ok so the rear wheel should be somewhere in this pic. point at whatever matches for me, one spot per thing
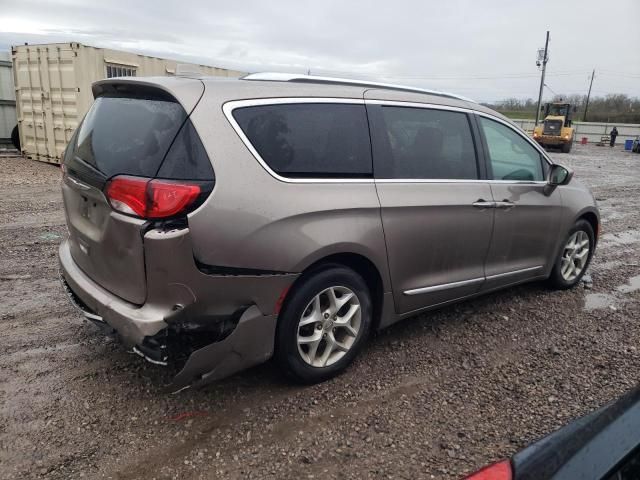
(574, 257)
(566, 147)
(325, 321)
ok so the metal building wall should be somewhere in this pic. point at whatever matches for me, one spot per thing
(7, 99)
(593, 131)
(53, 89)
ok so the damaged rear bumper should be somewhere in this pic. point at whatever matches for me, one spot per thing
(213, 325)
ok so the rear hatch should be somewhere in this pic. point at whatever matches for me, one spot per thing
(133, 135)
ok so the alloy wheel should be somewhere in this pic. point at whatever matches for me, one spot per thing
(329, 326)
(575, 255)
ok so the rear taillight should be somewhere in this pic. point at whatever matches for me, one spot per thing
(497, 471)
(152, 199)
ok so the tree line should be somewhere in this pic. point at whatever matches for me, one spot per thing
(612, 108)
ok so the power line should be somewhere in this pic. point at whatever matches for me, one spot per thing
(620, 74)
(550, 89)
(505, 76)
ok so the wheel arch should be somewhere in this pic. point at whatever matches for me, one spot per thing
(593, 219)
(363, 266)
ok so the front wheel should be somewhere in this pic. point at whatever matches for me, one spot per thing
(566, 147)
(574, 257)
(325, 321)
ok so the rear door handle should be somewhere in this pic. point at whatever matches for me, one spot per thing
(484, 204)
(505, 204)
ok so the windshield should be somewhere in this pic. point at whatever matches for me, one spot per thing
(558, 110)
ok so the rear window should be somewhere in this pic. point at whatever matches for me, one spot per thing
(128, 135)
(310, 140)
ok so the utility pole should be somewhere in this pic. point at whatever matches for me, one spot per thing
(586, 106)
(545, 59)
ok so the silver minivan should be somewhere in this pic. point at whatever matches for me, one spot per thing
(215, 223)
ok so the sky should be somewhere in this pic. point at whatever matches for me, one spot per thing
(483, 49)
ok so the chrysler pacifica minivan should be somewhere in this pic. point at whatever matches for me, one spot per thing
(215, 223)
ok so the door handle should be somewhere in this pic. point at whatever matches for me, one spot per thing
(505, 204)
(484, 204)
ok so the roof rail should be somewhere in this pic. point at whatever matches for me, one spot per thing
(293, 77)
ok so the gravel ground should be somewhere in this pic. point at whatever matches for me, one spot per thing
(434, 397)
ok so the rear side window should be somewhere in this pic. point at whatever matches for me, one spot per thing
(128, 135)
(187, 158)
(426, 144)
(313, 140)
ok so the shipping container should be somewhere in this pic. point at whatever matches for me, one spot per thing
(8, 119)
(53, 88)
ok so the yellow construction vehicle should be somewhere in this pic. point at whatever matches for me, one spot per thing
(556, 129)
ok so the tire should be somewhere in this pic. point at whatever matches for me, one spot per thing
(310, 303)
(15, 138)
(581, 230)
(566, 147)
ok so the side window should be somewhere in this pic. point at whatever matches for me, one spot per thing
(427, 144)
(511, 156)
(310, 139)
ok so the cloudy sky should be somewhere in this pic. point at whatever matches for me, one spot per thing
(484, 49)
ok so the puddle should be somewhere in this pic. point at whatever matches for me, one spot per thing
(604, 266)
(594, 301)
(632, 286)
(615, 215)
(39, 351)
(49, 236)
(622, 238)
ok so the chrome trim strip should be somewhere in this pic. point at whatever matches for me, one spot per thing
(293, 77)
(513, 127)
(515, 272)
(446, 286)
(229, 107)
(443, 286)
(430, 106)
(233, 104)
(447, 180)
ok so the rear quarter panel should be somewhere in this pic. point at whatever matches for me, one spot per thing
(253, 220)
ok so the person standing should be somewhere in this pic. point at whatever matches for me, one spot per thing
(613, 135)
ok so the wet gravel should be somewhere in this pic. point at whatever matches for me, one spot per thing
(434, 397)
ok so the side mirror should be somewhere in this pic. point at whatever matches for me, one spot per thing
(559, 175)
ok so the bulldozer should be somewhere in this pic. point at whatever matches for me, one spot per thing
(556, 130)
